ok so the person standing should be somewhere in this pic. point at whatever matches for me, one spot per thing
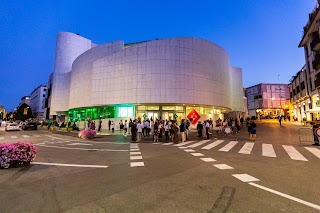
(130, 125)
(207, 126)
(140, 128)
(182, 131)
(100, 124)
(199, 129)
(125, 128)
(175, 132)
(166, 130)
(187, 125)
(133, 131)
(112, 126)
(249, 127)
(253, 133)
(280, 118)
(155, 131)
(109, 124)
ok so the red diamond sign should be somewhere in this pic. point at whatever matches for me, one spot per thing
(194, 116)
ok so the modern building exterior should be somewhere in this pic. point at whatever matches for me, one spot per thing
(268, 100)
(25, 100)
(306, 105)
(163, 78)
(37, 101)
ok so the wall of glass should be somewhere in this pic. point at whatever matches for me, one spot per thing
(94, 113)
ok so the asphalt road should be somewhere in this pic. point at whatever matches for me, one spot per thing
(108, 174)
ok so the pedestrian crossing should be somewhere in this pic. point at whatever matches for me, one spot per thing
(10, 137)
(246, 148)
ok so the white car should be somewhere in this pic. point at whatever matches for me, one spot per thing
(12, 127)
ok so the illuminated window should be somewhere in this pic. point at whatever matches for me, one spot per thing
(124, 112)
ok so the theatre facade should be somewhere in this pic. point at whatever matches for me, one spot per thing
(171, 78)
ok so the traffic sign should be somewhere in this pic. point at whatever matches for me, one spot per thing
(317, 132)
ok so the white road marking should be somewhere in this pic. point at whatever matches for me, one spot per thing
(312, 205)
(247, 148)
(156, 143)
(84, 149)
(184, 143)
(1, 138)
(268, 151)
(135, 164)
(73, 144)
(293, 153)
(314, 151)
(245, 177)
(199, 143)
(134, 150)
(13, 137)
(197, 154)
(211, 145)
(72, 165)
(183, 147)
(222, 166)
(135, 157)
(229, 146)
(25, 136)
(208, 159)
(189, 150)
(166, 144)
(37, 136)
(135, 153)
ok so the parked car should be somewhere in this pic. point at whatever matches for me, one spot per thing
(12, 127)
(30, 125)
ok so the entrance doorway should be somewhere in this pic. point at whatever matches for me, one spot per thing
(167, 115)
(154, 115)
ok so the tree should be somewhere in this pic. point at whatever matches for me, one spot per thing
(23, 113)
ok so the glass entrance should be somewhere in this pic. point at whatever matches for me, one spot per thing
(154, 115)
(167, 115)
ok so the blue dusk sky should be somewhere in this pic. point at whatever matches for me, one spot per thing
(261, 36)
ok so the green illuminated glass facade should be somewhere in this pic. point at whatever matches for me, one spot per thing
(118, 111)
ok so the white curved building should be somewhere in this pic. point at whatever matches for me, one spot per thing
(159, 78)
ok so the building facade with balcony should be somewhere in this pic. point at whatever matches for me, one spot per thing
(37, 101)
(162, 78)
(306, 103)
(268, 100)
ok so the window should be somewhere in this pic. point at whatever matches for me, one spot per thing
(294, 92)
(290, 94)
(44, 95)
(44, 90)
(298, 89)
(124, 112)
(302, 85)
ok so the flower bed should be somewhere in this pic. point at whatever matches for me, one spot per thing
(16, 154)
(87, 134)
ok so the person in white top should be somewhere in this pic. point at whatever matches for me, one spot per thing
(125, 128)
(112, 126)
(140, 128)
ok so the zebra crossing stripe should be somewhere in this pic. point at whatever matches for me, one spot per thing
(199, 143)
(293, 153)
(229, 146)
(184, 143)
(314, 151)
(1, 138)
(166, 144)
(13, 137)
(25, 136)
(268, 151)
(247, 148)
(211, 145)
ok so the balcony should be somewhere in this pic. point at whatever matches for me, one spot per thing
(315, 43)
(316, 62)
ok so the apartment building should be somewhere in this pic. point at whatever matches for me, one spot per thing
(305, 85)
(268, 100)
(37, 101)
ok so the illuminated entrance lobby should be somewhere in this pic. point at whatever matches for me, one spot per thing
(165, 78)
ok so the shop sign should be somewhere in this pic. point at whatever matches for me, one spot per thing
(318, 103)
(194, 116)
(175, 116)
(144, 116)
(317, 132)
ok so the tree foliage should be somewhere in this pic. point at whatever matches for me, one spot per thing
(19, 114)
